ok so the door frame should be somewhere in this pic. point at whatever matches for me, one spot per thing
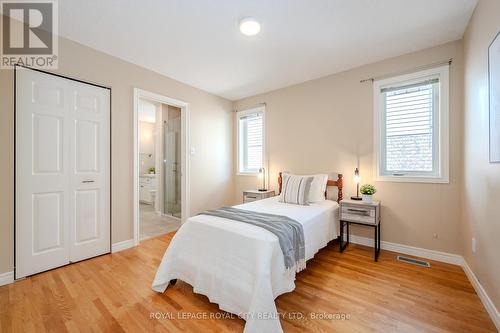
(110, 151)
(185, 144)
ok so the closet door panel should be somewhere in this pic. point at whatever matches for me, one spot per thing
(86, 146)
(87, 215)
(48, 218)
(47, 144)
(90, 231)
(42, 172)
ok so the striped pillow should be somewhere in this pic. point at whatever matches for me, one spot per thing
(295, 189)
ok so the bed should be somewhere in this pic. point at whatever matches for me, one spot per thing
(240, 266)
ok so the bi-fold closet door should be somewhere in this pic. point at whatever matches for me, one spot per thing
(62, 183)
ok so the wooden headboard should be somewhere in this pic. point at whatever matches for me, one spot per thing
(330, 182)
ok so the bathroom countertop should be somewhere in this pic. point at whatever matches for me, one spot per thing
(148, 175)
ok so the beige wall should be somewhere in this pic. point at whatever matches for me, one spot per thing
(324, 125)
(211, 117)
(147, 153)
(481, 196)
(146, 137)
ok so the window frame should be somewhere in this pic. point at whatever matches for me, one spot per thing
(440, 140)
(239, 115)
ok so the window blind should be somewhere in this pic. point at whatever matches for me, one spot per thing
(251, 142)
(409, 126)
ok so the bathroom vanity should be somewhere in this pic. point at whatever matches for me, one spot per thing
(147, 188)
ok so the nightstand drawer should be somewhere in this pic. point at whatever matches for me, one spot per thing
(251, 197)
(254, 195)
(358, 213)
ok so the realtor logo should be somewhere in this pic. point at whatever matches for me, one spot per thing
(29, 34)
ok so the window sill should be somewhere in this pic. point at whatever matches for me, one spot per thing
(247, 173)
(414, 179)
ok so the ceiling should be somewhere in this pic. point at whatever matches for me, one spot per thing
(198, 42)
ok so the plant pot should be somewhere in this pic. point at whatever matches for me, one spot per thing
(367, 198)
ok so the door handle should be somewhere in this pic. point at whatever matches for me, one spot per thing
(87, 181)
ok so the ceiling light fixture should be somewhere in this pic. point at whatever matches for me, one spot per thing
(249, 26)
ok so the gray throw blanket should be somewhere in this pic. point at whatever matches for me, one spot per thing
(289, 232)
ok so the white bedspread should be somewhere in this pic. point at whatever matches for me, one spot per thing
(240, 266)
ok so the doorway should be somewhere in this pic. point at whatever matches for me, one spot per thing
(160, 164)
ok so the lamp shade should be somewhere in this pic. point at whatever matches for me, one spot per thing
(356, 180)
(262, 173)
(356, 176)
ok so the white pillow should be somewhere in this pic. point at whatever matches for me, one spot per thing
(296, 189)
(318, 188)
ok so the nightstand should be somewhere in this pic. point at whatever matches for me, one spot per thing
(358, 212)
(254, 195)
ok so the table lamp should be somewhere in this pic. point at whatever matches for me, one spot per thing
(356, 180)
(262, 171)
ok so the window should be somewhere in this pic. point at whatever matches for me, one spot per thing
(250, 140)
(411, 127)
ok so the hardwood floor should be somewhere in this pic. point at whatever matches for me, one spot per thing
(112, 293)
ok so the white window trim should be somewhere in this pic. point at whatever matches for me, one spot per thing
(240, 114)
(443, 174)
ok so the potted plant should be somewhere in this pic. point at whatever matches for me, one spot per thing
(152, 170)
(367, 192)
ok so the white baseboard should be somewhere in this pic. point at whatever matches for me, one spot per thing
(6, 278)
(485, 299)
(449, 258)
(120, 246)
